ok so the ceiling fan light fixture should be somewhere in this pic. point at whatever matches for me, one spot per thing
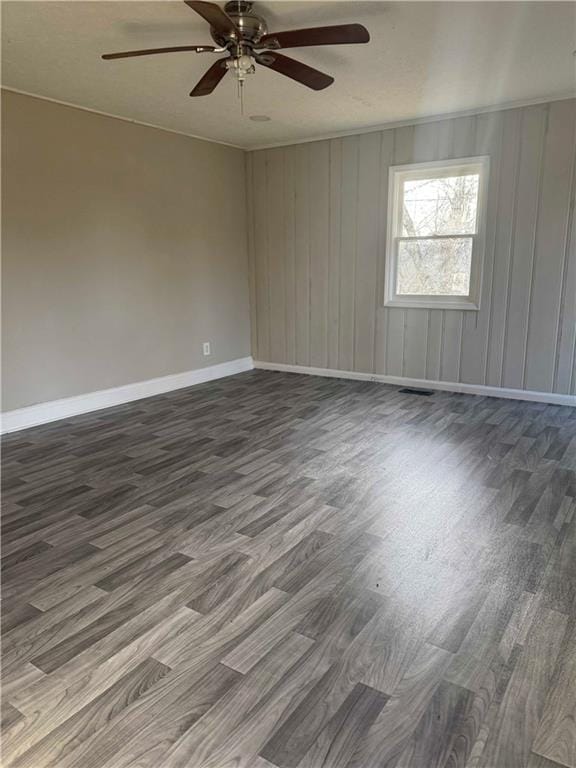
(242, 66)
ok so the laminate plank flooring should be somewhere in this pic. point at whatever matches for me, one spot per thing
(284, 571)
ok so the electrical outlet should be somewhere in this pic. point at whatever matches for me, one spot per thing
(206, 348)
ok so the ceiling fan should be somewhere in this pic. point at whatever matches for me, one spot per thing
(243, 35)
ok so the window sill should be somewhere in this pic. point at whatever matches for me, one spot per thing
(425, 303)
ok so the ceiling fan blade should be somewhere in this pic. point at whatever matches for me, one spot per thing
(210, 79)
(214, 15)
(297, 38)
(302, 73)
(151, 51)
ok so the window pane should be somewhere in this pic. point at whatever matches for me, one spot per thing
(434, 267)
(441, 206)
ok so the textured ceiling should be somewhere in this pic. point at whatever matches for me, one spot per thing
(423, 59)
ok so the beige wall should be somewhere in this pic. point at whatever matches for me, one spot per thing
(317, 233)
(123, 248)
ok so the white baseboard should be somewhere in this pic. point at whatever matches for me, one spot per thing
(43, 413)
(447, 386)
(33, 415)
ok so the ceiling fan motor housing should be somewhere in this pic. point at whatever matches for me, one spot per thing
(250, 25)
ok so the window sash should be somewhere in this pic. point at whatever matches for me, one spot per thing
(431, 176)
(431, 297)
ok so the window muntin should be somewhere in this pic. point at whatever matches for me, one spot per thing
(435, 234)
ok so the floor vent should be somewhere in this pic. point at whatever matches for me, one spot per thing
(421, 392)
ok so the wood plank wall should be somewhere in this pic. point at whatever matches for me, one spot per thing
(317, 238)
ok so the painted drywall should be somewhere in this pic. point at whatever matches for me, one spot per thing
(123, 249)
(317, 233)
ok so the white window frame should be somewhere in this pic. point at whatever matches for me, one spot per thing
(398, 174)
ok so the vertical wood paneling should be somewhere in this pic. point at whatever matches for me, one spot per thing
(289, 234)
(476, 328)
(318, 238)
(348, 229)
(415, 343)
(249, 160)
(450, 356)
(522, 256)
(551, 233)
(380, 336)
(366, 250)
(319, 252)
(302, 250)
(261, 256)
(335, 232)
(507, 189)
(276, 254)
(567, 327)
(434, 344)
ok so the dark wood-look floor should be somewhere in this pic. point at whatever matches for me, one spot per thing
(280, 570)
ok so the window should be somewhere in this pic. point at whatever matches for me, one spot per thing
(436, 223)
